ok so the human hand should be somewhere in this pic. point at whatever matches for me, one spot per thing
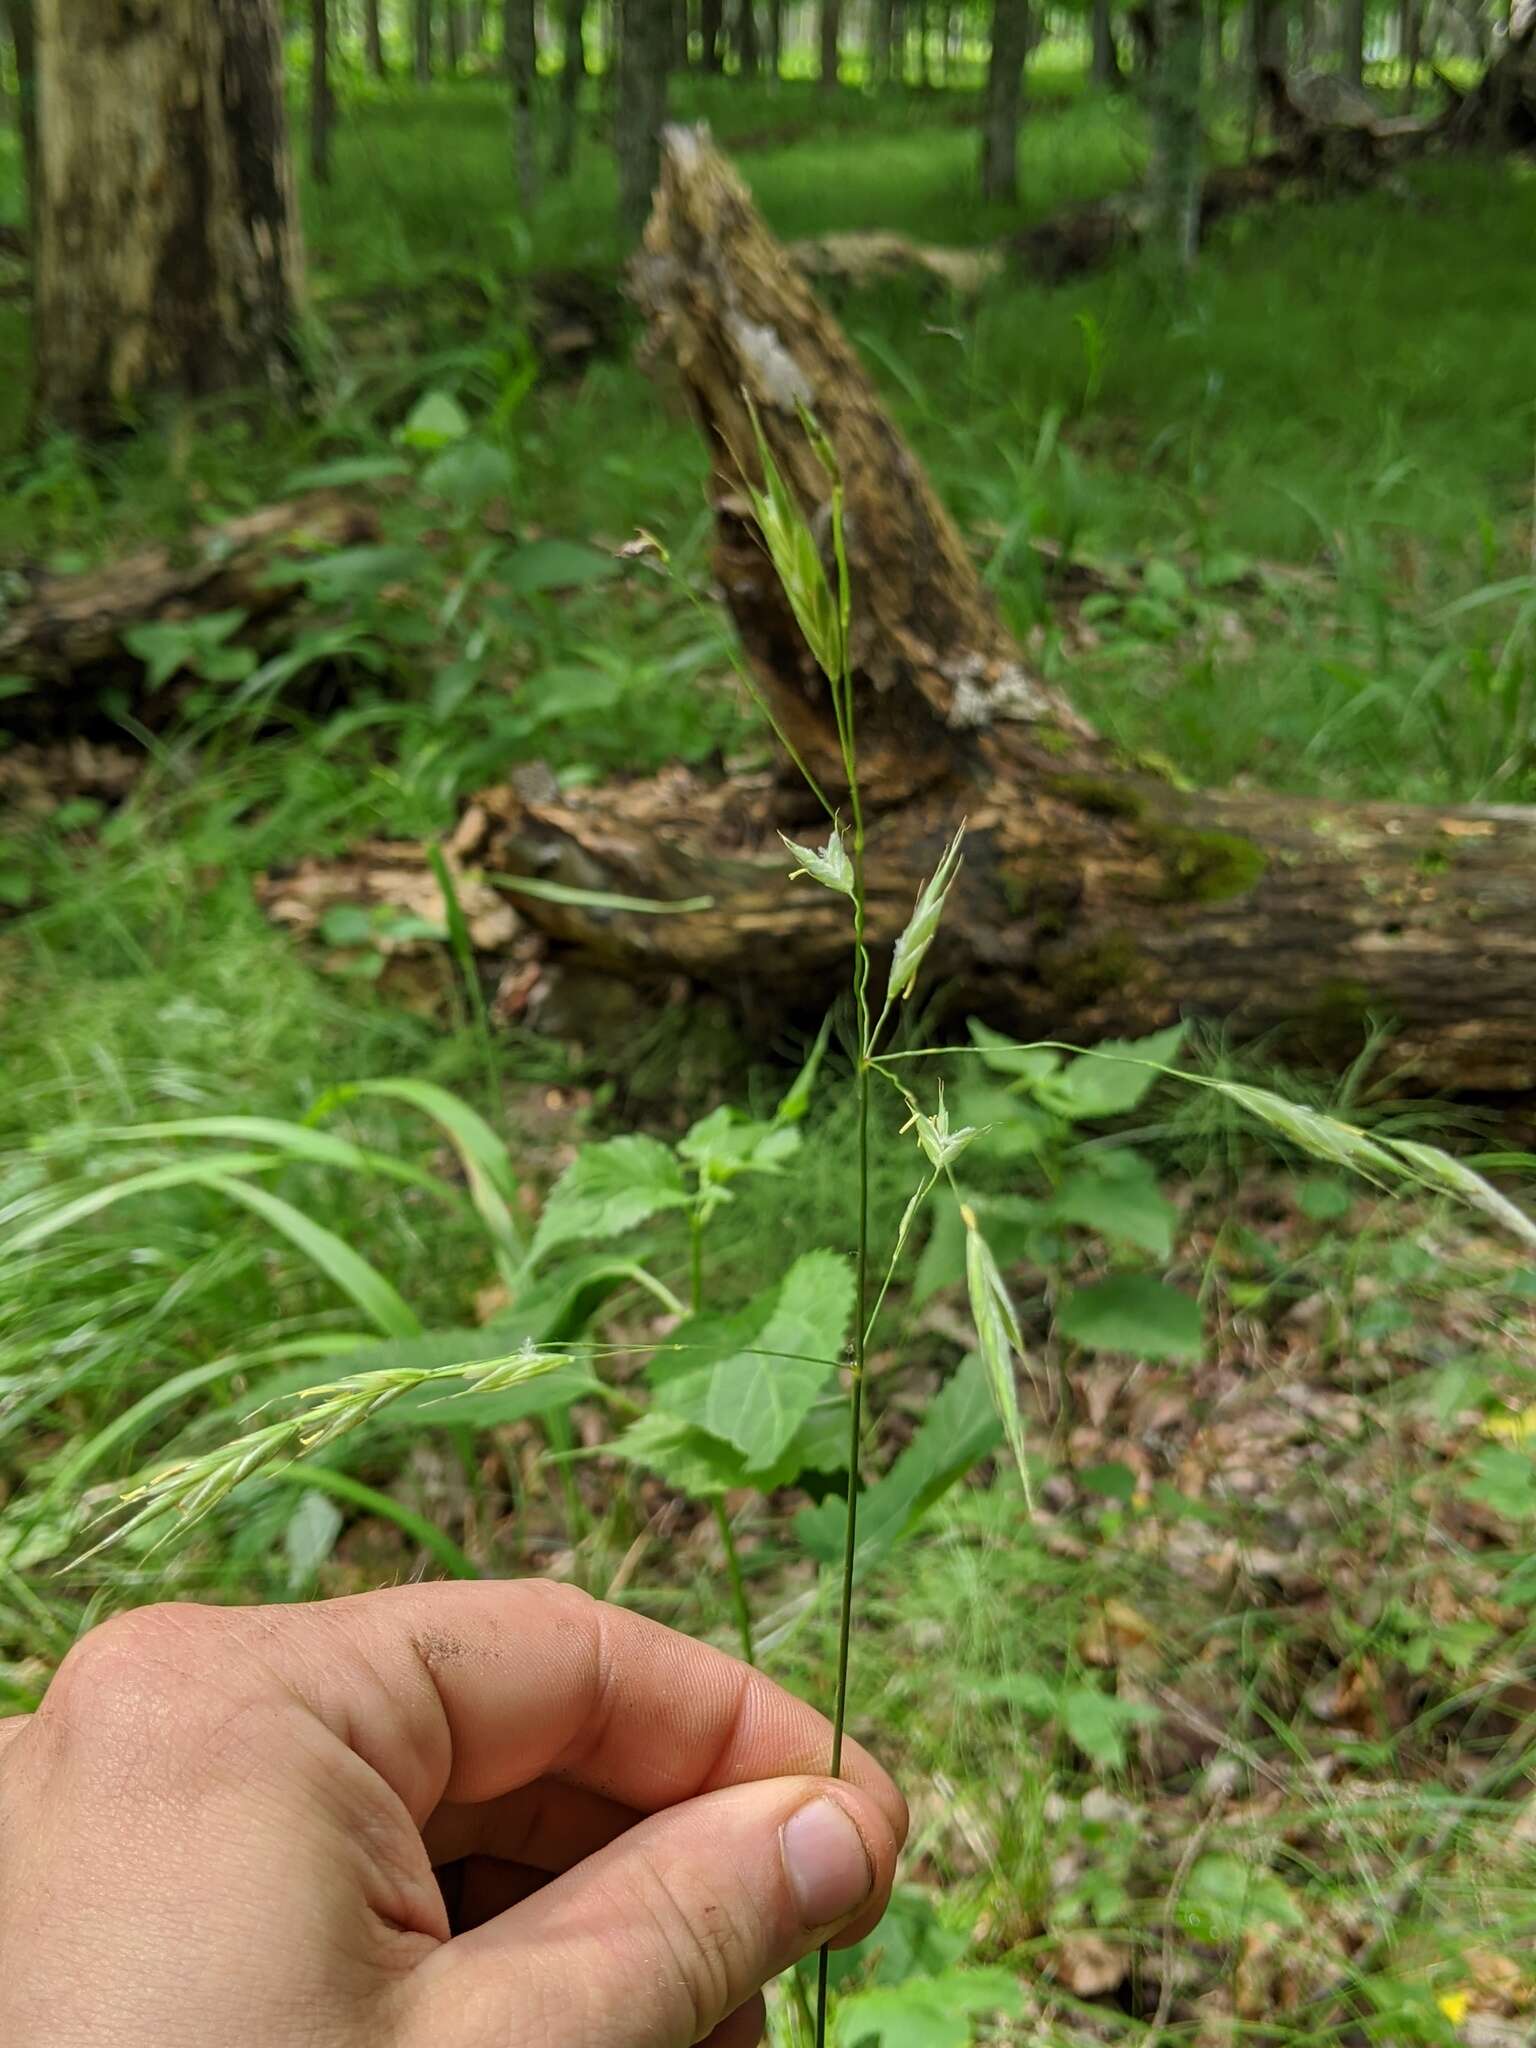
(496, 1815)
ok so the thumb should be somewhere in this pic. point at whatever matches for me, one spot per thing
(657, 1938)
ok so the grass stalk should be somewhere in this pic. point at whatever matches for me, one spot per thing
(739, 1603)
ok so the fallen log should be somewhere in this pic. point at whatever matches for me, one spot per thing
(63, 629)
(1094, 900)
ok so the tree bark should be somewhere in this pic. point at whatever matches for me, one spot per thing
(775, 39)
(421, 40)
(1176, 137)
(1352, 41)
(1093, 900)
(521, 56)
(640, 104)
(167, 256)
(712, 36)
(1410, 22)
(1000, 117)
(453, 37)
(1106, 60)
(748, 46)
(573, 69)
(20, 16)
(829, 31)
(882, 22)
(373, 38)
(320, 105)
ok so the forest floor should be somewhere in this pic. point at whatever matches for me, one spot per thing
(1234, 1738)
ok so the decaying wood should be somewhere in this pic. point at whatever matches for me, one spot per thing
(69, 627)
(1093, 900)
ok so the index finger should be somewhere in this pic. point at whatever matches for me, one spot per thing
(466, 1691)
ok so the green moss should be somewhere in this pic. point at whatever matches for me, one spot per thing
(1081, 974)
(1208, 867)
(1100, 795)
(1435, 859)
(1342, 1001)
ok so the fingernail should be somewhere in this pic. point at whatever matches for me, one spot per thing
(826, 1863)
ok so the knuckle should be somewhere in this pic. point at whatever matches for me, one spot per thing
(130, 1677)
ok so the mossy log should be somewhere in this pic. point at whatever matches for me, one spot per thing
(66, 631)
(1094, 900)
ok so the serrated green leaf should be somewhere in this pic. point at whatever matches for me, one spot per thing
(755, 1395)
(1028, 1063)
(922, 925)
(608, 1189)
(1127, 1207)
(686, 1458)
(436, 420)
(1227, 1896)
(1133, 1313)
(1113, 1078)
(725, 1143)
(1099, 1722)
(830, 866)
(928, 2012)
(959, 1428)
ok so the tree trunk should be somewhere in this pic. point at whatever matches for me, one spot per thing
(640, 104)
(1000, 118)
(924, 45)
(1352, 41)
(520, 51)
(573, 69)
(775, 39)
(320, 105)
(1266, 54)
(1093, 900)
(167, 256)
(1106, 60)
(453, 37)
(474, 27)
(829, 29)
(712, 35)
(1410, 21)
(421, 39)
(1176, 140)
(20, 14)
(748, 48)
(373, 38)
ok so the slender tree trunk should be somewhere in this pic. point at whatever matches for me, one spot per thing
(1352, 41)
(775, 38)
(21, 16)
(748, 48)
(829, 36)
(421, 28)
(881, 25)
(1176, 141)
(924, 42)
(573, 69)
(520, 53)
(1306, 32)
(373, 37)
(1410, 25)
(947, 38)
(712, 35)
(168, 256)
(474, 28)
(1106, 61)
(320, 105)
(640, 104)
(1000, 119)
(1266, 52)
